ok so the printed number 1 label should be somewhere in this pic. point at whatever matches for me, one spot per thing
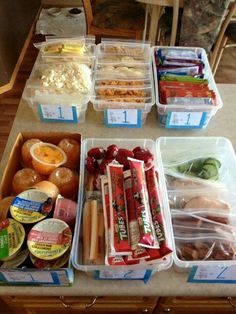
(122, 118)
(185, 119)
(58, 113)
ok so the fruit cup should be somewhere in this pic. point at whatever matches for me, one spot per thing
(46, 157)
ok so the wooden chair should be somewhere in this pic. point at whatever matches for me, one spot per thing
(226, 32)
(108, 28)
(157, 7)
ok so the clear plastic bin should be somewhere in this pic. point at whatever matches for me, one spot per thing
(137, 270)
(122, 47)
(55, 108)
(187, 115)
(123, 90)
(206, 210)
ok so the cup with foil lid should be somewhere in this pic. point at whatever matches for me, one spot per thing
(31, 206)
(17, 260)
(55, 263)
(49, 239)
(12, 235)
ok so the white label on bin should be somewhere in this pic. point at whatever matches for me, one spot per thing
(185, 119)
(45, 277)
(58, 113)
(129, 118)
(118, 274)
(213, 274)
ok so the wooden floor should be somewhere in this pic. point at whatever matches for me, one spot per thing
(9, 101)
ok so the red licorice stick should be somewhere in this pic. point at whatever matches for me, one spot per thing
(118, 214)
(109, 260)
(157, 217)
(141, 203)
(138, 252)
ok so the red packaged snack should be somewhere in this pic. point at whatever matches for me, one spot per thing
(112, 151)
(141, 203)
(120, 244)
(104, 163)
(109, 260)
(138, 252)
(96, 152)
(92, 165)
(145, 155)
(122, 156)
(155, 207)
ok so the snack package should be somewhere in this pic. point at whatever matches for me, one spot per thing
(120, 244)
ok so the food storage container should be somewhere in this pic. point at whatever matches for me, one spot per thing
(123, 91)
(141, 271)
(186, 115)
(197, 178)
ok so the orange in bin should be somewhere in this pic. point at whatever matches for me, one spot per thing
(47, 157)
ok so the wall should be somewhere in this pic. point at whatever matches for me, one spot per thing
(16, 19)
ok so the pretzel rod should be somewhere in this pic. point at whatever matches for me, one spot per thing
(86, 231)
(94, 231)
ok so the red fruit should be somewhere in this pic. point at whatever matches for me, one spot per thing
(103, 165)
(96, 152)
(92, 165)
(122, 156)
(112, 151)
(145, 155)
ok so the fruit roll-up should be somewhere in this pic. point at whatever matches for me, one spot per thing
(138, 252)
(120, 243)
(157, 216)
(109, 260)
(141, 203)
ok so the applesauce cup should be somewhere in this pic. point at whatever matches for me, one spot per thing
(46, 157)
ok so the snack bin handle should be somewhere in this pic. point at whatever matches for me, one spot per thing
(88, 306)
(231, 302)
(63, 302)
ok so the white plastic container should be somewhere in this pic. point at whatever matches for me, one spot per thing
(177, 149)
(117, 271)
(187, 115)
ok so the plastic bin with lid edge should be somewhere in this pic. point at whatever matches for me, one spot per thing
(183, 146)
(77, 111)
(203, 113)
(77, 245)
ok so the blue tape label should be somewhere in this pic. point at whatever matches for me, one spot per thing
(186, 120)
(129, 118)
(58, 113)
(213, 274)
